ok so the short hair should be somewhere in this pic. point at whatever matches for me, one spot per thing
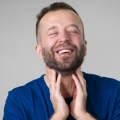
(52, 7)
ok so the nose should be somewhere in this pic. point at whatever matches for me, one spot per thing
(64, 36)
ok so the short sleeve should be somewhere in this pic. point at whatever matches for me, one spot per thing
(12, 110)
(116, 110)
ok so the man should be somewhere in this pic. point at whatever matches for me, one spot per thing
(64, 92)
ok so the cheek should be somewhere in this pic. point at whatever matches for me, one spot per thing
(78, 41)
(49, 43)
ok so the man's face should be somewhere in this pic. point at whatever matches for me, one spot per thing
(62, 44)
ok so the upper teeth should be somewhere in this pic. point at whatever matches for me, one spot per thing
(63, 51)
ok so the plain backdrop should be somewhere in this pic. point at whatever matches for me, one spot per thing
(19, 62)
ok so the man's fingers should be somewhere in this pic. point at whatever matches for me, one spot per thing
(53, 78)
(80, 83)
(81, 79)
(77, 82)
(58, 82)
(55, 84)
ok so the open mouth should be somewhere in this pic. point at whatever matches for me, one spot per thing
(64, 51)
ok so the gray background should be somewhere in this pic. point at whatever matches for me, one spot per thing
(19, 63)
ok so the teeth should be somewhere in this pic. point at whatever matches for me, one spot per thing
(64, 51)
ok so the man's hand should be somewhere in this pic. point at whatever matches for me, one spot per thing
(78, 104)
(61, 110)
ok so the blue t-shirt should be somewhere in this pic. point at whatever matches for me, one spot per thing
(32, 101)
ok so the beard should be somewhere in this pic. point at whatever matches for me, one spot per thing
(67, 65)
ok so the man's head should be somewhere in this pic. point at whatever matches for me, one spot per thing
(53, 7)
(60, 37)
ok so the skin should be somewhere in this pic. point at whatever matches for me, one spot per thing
(57, 27)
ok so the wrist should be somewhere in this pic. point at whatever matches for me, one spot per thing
(58, 116)
(86, 116)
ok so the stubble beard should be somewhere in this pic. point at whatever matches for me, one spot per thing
(65, 66)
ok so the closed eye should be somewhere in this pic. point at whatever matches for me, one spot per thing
(73, 32)
(52, 33)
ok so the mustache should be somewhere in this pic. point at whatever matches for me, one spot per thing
(64, 45)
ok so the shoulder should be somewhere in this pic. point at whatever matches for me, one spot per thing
(26, 94)
(101, 83)
(25, 99)
(28, 88)
(100, 79)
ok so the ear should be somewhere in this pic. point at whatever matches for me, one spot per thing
(38, 49)
(85, 47)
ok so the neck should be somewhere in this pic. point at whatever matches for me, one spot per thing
(67, 84)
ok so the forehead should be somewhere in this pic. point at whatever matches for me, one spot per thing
(60, 17)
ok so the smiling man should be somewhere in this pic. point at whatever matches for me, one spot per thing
(64, 92)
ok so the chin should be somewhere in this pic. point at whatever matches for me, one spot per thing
(66, 73)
